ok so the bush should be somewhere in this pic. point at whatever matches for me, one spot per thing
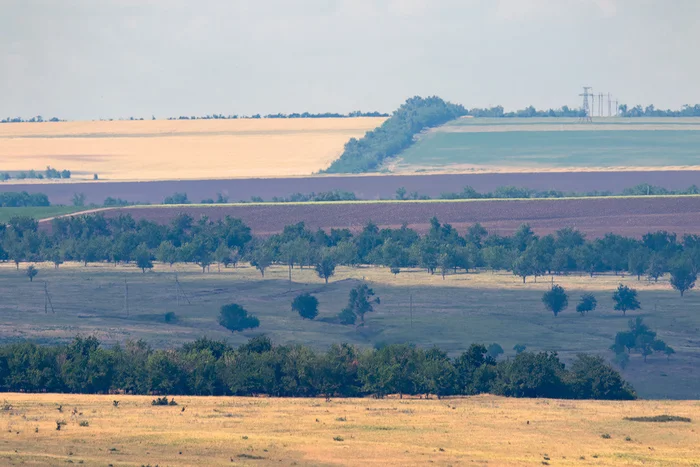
(170, 317)
(163, 401)
(659, 419)
(177, 198)
(235, 318)
(306, 305)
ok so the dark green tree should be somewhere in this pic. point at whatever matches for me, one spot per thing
(31, 273)
(683, 276)
(325, 268)
(306, 305)
(360, 302)
(586, 304)
(555, 299)
(625, 299)
(235, 318)
(143, 257)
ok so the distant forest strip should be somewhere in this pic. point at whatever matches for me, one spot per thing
(96, 239)
(207, 367)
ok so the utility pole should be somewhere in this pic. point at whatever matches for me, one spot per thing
(126, 297)
(609, 106)
(47, 299)
(410, 307)
(179, 290)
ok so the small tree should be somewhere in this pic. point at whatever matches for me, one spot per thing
(78, 199)
(519, 348)
(222, 254)
(143, 257)
(683, 277)
(306, 305)
(555, 300)
(31, 273)
(261, 259)
(625, 299)
(401, 193)
(235, 318)
(325, 268)
(359, 303)
(587, 303)
(494, 350)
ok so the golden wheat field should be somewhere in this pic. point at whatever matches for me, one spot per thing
(180, 149)
(217, 431)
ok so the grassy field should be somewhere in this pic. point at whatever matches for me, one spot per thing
(452, 314)
(37, 212)
(180, 149)
(482, 431)
(546, 144)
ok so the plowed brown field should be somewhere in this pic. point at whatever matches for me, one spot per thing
(593, 216)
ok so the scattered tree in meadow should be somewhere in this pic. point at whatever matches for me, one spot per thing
(555, 299)
(261, 259)
(306, 305)
(683, 277)
(625, 299)
(235, 318)
(639, 338)
(31, 273)
(587, 303)
(325, 268)
(519, 348)
(360, 302)
(143, 257)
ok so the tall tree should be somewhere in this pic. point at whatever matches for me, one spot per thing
(625, 299)
(555, 299)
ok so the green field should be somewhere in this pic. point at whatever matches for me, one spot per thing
(37, 212)
(514, 144)
(450, 313)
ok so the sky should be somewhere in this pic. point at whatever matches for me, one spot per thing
(87, 59)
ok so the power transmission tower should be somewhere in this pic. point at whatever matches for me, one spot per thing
(47, 299)
(586, 117)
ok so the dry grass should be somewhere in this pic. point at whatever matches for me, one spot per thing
(481, 430)
(181, 149)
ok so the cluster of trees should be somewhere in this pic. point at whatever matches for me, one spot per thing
(651, 111)
(511, 192)
(639, 338)
(323, 196)
(207, 367)
(556, 300)
(10, 199)
(528, 112)
(49, 173)
(94, 238)
(357, 113)
(37, 119)
(395, 134)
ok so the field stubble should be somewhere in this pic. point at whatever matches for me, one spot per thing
(482, 430)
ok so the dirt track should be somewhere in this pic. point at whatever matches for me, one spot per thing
(365, 187)
(595, 217)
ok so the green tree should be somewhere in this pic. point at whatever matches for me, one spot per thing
(235, 318)
(143, 257)
(222, 254)
(638, 262)
(625, 299)
(325, 268)
(261, 258)
(401, 193)
(167, 253)
(555, 299)
(683, 277)
(31, 273)
(587, 303)
(494, 350)
(519, 348)
(360, 302)
(306, 305)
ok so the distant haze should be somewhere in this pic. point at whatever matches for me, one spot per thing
(82, 59)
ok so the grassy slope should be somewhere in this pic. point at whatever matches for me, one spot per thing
(37, 212)
(250, 431)
(453, 313)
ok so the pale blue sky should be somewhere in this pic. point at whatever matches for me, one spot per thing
(85, 59)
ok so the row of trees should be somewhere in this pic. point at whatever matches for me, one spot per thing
(207, 367)
(94, 238)
(395, 134)
(651, 111)
(10, 199)
(49, 173)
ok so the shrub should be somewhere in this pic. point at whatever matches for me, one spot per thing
(170, 317)
(163, 401)
(306, 305)
(84, 423)
(659, 419)
(235, 318)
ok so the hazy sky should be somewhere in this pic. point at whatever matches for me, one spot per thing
(85, 59)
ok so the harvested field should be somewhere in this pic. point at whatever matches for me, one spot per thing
(632, 216)
(180, 149)
(218, 431)
(365, 187)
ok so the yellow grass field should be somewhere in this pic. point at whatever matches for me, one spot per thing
(180, 149)
(218, 431)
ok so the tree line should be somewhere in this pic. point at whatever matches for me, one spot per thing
(443, 250)
(208, 367)
(651, 111)
(395, 134)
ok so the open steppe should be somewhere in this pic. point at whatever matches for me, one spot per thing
(218, 431)
(179, 149)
